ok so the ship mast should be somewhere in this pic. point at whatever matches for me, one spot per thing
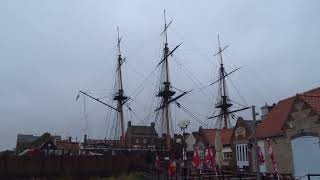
(224, 102)
(165, 91)
(119, 95)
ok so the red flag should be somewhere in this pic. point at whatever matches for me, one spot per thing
(260, 155)
(157, 161)
(172, 168)
(273, 159)
(210, 159)
(196, 158)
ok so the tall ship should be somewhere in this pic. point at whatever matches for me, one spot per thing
(161, 131)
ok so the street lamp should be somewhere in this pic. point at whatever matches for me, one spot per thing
(184, 125)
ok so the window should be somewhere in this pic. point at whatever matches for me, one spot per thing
(137, 141)
(202, 154)
(145, 141)
(242, 152)
(227, 155)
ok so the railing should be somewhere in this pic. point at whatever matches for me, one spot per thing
(150, 172)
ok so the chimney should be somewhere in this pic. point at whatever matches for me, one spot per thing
(85, 139)
(265, 110)
(69, 139)
(129, 123)
(152, 124)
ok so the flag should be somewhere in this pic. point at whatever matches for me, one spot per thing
(210, 159)
(273, 159)
(196, 158)
(172, 168)
(260, 155)
(157, 161)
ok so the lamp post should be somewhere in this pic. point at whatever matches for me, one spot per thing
(184, 125)
(255, 144)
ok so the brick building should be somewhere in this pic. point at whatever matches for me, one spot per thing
(141, 137)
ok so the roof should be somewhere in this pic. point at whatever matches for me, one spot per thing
(67, 145)
(26, 138)
(210, 134)
(272, 125)
(102, 141)
(312, 98)
(247, 124)
(142, 130)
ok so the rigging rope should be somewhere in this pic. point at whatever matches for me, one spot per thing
(190, 114)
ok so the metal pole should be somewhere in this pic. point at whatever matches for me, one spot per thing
(184, 152)
(255, 144)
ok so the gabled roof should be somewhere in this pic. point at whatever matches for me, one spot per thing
(247, 124)
(272, 125)
(209, 135)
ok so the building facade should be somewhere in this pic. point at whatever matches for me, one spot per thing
(141, 137)
(293, 127)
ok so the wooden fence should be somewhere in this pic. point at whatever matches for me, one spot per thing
(83, 167)
(71, 166)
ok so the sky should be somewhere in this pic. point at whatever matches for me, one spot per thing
(49, 50)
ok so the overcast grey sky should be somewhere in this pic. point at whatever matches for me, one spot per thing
(51, 49)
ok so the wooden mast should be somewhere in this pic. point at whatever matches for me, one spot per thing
(224, 103)
(166, 93)
(119, 95)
